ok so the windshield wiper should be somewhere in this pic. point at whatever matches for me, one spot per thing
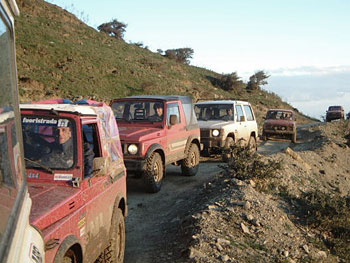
(48, 169)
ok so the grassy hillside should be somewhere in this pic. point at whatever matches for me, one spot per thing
(60, 56)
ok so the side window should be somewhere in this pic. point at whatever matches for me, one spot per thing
(248, 112)
(239, 112)
(91, 147)
(173, 109)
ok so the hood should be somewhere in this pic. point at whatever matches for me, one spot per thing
(280, 122)
(215, 124)
(52, 203)
(136, 134)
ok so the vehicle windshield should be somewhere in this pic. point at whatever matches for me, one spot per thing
(335, 108)
(206, 112)
(279, 115)
(48, 142)
(138, 111)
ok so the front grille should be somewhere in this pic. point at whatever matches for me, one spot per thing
(205, 133)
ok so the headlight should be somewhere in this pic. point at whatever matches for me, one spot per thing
(132, 149)
(215, 133)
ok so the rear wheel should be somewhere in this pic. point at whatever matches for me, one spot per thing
(116, 247)
(154, 173)
(190, 165)
(264, 137)
(229, 142)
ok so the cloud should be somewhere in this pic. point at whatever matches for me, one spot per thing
(309, 70)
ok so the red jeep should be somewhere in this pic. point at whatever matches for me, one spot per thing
(76, 179)
(156, 131)
(280, 123)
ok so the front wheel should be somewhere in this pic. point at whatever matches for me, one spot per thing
(294, 137)
(154, 173)
(252, 147)
(190, 165)
(116, 247)
(227, 154)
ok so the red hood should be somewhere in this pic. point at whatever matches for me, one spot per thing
(137, 134)
(52, 203)
(280, 122)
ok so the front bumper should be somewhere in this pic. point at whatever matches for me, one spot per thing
(278, 132)
(134, 165)
(213, 143)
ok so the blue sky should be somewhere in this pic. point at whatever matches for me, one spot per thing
(299, 42)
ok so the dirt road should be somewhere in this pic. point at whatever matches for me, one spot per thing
(154, 218)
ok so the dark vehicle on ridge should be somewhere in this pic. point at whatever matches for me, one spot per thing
(156, 131)
(335, 113)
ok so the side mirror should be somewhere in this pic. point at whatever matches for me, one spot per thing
(242, 118)
(101, 166)
(173, 120)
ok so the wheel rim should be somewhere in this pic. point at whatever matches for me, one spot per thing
(193, 159)
(157, 171)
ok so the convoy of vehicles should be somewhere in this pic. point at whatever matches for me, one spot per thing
(19, 240)
(280, 123)
(76, 178)
(335, 113)
(156, 131)
(224, 123)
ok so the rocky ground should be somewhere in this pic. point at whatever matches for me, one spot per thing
(270, 219)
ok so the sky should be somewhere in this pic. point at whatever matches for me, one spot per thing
(302, 44)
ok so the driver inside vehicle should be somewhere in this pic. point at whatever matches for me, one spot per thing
(158, 112)
(229, 115)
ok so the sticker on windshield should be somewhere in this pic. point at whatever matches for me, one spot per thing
(63, 123)
(26, 120)
(63, 177)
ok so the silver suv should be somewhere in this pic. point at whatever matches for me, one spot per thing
(224, 123)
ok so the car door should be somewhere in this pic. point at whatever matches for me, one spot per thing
(176, 134)
(241, 131)
(251, 122)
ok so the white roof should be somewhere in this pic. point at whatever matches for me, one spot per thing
(222, 102)
(82, 109)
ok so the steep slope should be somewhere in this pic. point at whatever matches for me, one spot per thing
(60, 56)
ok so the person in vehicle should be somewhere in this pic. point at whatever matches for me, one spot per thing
(229, 116)
(62, 155)
(158, 115)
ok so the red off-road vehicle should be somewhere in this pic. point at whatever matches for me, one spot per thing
(156, 131)
(76, 179)
(280, 123)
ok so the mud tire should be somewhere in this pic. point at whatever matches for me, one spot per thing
(154, 173)
(190, 165)
(114, 252)
(263, 136)
(294, 137)
(252, 146)
(228, 143)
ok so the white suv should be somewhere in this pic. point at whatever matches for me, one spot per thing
(224, 123)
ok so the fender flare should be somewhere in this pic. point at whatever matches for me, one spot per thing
(155, 147)
(67, 243)
(192, 138)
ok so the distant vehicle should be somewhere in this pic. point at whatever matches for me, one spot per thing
(156, 131)
(224, 123)
(280, 123)
(77, 179)
(348, 116)
(335, 113)
(19, 240)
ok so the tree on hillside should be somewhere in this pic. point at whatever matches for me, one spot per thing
(231, 81)
(182, 55)
(114, 28)
(257, 80)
